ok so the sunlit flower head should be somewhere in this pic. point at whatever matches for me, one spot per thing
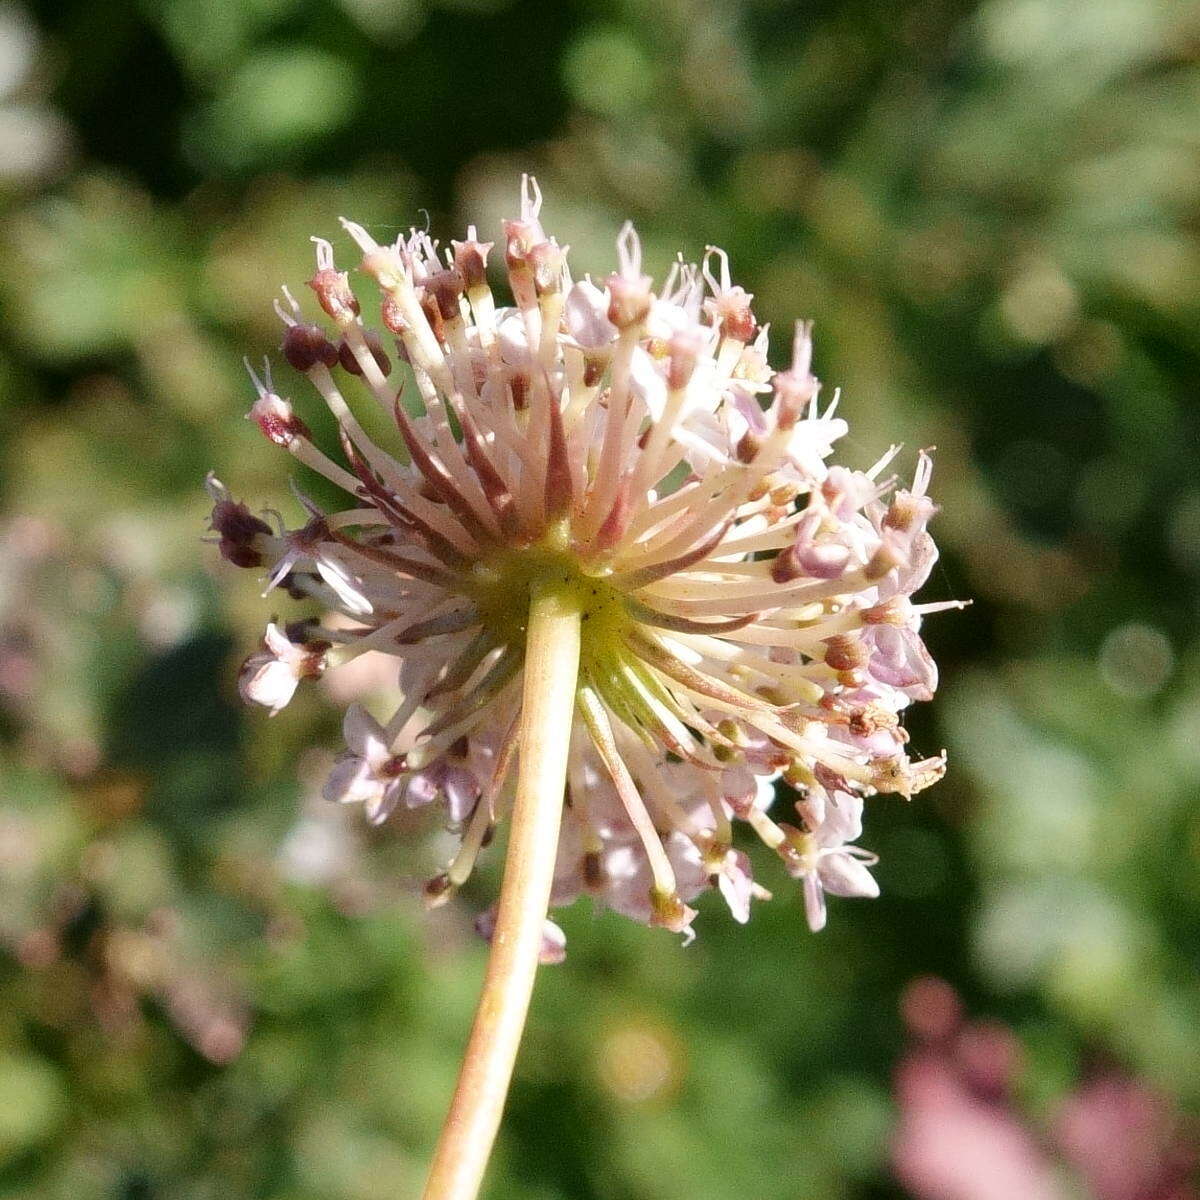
(746, 610)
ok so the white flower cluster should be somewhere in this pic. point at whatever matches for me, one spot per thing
(746, 607)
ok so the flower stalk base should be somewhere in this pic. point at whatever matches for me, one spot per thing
(552, 647)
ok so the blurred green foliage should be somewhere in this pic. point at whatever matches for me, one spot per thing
(213, 985)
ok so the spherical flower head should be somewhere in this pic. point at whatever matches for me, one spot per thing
(745, 606)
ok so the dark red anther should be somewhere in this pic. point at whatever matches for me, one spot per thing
(349, 361)
(304, 346)
(784, 567)
(844, 652)
(748, 447)
(446, 287)
(433, 314)
(594, 874)
(239, 528)
(519, 384)
(394, 766)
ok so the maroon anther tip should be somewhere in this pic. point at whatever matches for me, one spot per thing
(306, 345)
(519, 384)
(784, 567)
(748, 447)
(433, 314)
(394, 767)
(594, 874)
(437, 890)
(446, 287)
(349, 361)
(238, 528)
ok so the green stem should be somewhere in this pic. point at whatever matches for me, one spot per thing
(551, 670)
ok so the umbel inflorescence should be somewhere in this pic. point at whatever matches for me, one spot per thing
(745, 606)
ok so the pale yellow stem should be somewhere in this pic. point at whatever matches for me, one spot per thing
(551, 669)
